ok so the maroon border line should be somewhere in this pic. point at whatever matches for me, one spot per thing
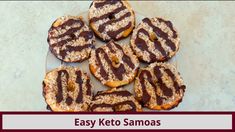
(144, 112)
(139, 113)
(233, 121)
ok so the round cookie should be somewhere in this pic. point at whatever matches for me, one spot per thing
(70, 39)
(155, 39)
(67, 89)
(111, 19)
(113, 65)
(113, 100)
(159, 86)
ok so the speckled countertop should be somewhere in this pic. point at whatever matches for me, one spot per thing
(206, 58)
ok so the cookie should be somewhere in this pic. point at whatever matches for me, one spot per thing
(67, 89)
(113, 100)
(159, 86)
(113, 65)
(155, 39)
(70, 39)
(111, 19)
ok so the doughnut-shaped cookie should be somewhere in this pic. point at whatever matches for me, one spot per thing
(113, 100)
(111, 19)
(67, 89)
(159, 86)
(70, 39)
(155, 39)
(113, 65)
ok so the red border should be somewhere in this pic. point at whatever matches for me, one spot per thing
(156, 113)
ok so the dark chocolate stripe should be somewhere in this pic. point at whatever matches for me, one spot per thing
(59, 95)
(169, 24)
(85, 34)
(160, 33)
(111, 47)
(70, 48)
(116, 93)
(88, 85)
(141, 44)
(113, 34)
(125, 58)
(173, 78)
(166, 91)
(114, 106)
(118, 72)
(69, 32)
(68, 23)
(69, 100)
(159, 47)
(110, 2)
(102, 27)
(110, 15)
(145, 97)
(103, 73)
(104, 16)
(79, 81)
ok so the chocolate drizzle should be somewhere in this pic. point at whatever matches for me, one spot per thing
(88, 85)
(70, 48)
(68, 90)
(104, 16)
(102, 70)
(69, 22)
(87, 35)
(155, 36)
(111, 16)
(113, 34)
(145, 75)
(146, 97)
(166, 91)
(125, 58)
(59, 95)
(116, 93)
(117, 71)
(173, 78)
(102, 27)
(69, 100)
(107, 2)
(115, 106)
(169, 24)
(80, 82)
(161, 34)
(141, 44)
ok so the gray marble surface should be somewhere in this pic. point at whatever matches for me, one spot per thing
(206, 59)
